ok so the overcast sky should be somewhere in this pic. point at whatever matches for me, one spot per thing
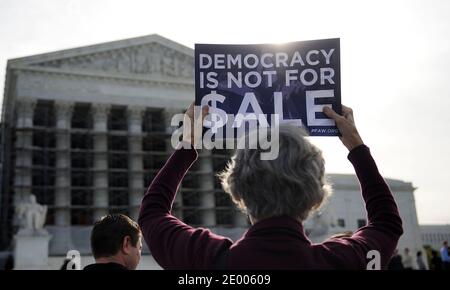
(395, 57)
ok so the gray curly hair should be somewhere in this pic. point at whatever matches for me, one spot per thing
(293, 184)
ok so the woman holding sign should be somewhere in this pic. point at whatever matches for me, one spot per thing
(278, 195)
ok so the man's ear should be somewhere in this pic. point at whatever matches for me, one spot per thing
(126, 244)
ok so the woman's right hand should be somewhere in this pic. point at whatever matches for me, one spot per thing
(193, 124)
(346, 125)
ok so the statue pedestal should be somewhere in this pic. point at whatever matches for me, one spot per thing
(31, 250)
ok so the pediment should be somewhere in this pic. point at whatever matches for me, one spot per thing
(151, 55)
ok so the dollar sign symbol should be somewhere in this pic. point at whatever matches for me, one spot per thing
(217, 117)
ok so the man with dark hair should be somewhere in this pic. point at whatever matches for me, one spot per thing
(445, 256)
(115, 243)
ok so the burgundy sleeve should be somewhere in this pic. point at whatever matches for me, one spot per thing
(173, 244)
(384, 226)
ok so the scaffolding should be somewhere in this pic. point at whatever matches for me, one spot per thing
(79, 171)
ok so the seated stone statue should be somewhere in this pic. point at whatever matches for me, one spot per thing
(31, 216)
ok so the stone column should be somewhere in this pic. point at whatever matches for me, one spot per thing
(135, 164)
(208, 203)
(25, 112)
(100, 119)
(23, 144)
(62, 194)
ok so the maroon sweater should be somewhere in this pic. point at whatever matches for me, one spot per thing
(273, 243)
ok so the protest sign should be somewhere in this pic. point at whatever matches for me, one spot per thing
(254, 82)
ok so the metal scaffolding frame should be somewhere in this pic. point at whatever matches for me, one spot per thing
(81, 137)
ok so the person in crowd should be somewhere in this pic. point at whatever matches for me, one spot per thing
(444, 256)
(407, 260)
(420, 262)
(396, 263)
(278, 195)
(115, 243)
(436, 262)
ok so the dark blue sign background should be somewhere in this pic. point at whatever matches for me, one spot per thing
(294, 100)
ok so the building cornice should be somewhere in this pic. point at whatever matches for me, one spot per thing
(129, 78)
